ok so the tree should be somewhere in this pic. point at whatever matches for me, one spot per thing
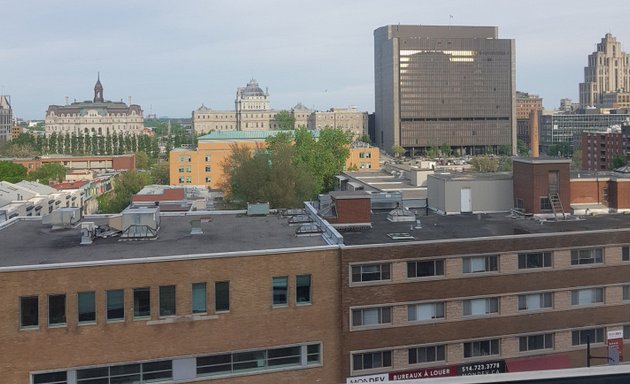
(445, 150)
(48, 172)
(433, 152)
(125, 186)
(160, 173)
(484, 163)
(285, 120)
(521, 148)
(619, 160)
(560, 150)
(576, 160)
(142, 160)
(365, 139)
(13, 173)
(505, 150)
(397, 150)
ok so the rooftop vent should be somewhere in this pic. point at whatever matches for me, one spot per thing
(62, 218)
(400, 215)
(140, 223)
(309, 229)
(88, 232)
(257, 209)
(400, 236)
(300, 219)
(195, 227)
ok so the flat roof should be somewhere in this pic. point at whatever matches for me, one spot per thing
(30, 243)
(467, 226)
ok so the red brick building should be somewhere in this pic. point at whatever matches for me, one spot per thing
(599, 149)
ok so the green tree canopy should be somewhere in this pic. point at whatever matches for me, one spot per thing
(619, 160)
(285, 120)
(13, 173)
(125, 186)
(290, 170)
(484, 163)
(521, 148)
(48, 172)
(397, 150)
(142, 160)
(160, 173)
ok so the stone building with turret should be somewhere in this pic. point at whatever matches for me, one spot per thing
(95, 117)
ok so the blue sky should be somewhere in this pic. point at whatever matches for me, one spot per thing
(173, 56)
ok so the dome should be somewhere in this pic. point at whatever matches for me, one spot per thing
(252, 89)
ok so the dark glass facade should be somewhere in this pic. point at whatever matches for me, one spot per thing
(440, 85)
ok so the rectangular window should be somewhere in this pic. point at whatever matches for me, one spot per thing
(626, 332)
(474, 264)
(535, 342)
(596, 335)
(141, 303)
(586, 256)
(208, 168)
(370, 360)
(427, 354)
(86, 307)
(280, 290)
(29, 312)
(199, 298)
(222, 296)
(626, 292)
(258, 360)
(535, 301)
(371, 316)
(625, 253)
(534, 260)
(425, 268)
(477, 307)
(56, 309)
(115, 304)
(481, 348)
(587, 296)
(150, 372)
(168, 300)
(424, 312)
(303, 289)
(50, 378)
(545, 204)
(370, 272)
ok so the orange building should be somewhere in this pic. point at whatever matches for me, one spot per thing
(204, 165)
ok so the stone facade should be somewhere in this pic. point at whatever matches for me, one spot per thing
(96, 117)
(349, 119)
(608, 70)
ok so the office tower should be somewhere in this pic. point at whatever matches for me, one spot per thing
(608, 70)
(437, 85)
(6, 118)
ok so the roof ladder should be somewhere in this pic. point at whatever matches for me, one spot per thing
(556, 205)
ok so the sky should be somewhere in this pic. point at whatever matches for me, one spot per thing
(173, 56)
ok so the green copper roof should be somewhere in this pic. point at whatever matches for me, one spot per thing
(245, 135)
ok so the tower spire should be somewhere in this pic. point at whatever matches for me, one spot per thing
(98, 90)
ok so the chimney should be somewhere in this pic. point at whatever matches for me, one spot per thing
(533, 132)
(67, 100)
(129, 100)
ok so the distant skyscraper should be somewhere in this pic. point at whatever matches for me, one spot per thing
(608, 70)
(6, 118)
(438, 85)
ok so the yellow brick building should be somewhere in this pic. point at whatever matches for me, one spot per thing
(204, 165)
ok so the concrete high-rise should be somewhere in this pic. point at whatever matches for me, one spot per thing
(438, 85)
(6, 118)
(608, 70)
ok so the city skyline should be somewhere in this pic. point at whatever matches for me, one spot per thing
(171, 60)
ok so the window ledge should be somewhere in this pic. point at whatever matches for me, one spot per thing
(179, 319)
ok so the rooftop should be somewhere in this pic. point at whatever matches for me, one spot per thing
(29, 243)
(438, 227)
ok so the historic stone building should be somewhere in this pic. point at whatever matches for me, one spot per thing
(349, 119)
(96, 117)
(253, 112)
(608, 70)
(6, 118)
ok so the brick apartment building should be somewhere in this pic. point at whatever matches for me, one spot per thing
(249, 301)
(599, 149)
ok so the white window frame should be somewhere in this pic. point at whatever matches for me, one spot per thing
(437, 311)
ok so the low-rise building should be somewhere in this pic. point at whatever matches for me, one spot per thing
(95, 163)
(600, 149)
(349, 119)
